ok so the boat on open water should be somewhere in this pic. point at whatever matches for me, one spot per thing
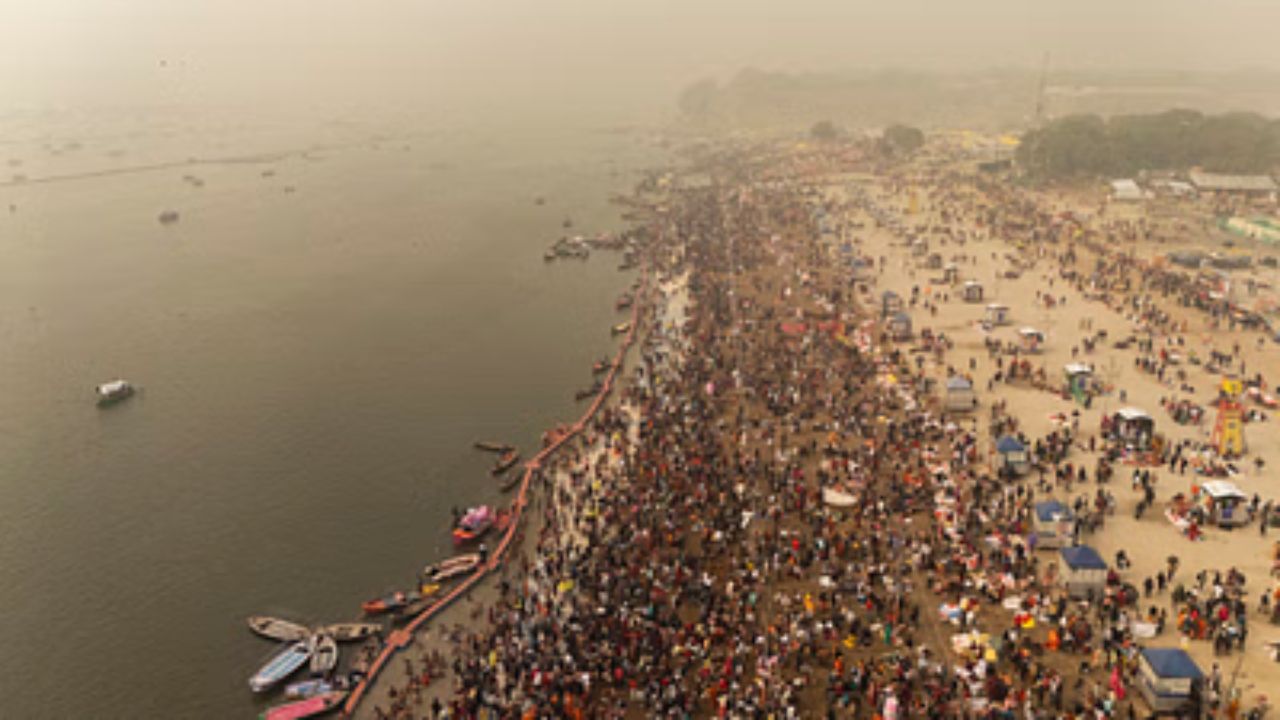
(110, 393)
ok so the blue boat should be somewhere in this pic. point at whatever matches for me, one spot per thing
(304, 689)
(281, 665)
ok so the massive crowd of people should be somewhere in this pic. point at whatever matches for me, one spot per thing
(778, 518)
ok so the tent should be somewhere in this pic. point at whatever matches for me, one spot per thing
(1134, 427)
(890, 303)
(1168, 679)
(1085, 571)
(1078, 377)
(1227, 505)
(1127, 190)
(1054, 524)
(1031, 339)
(950, 274)
(972, 291)
(899, 326)
(960, 394)
(997, 314)
(1012, 455)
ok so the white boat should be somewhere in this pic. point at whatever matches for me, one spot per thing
(324, 654)
(114, 391)
(281, 665)
(451, 568)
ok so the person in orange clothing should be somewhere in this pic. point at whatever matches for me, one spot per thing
(1054, 641)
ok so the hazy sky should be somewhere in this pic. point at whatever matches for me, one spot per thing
(402, 53)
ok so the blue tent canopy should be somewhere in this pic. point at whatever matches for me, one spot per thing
(1009, 444)
(1172, 663)
(1048, 510)
(1083, 557)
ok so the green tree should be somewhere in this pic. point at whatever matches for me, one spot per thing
(824, 131)
(901, 140)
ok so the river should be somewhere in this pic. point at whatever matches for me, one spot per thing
(318, 340)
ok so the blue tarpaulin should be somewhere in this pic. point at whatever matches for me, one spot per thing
(1083, 557)
(1010, 444)
(1172, 663)
(1050, 510)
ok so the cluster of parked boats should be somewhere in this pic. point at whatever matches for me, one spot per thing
(316, 649)
(313, 648)
(579, 247)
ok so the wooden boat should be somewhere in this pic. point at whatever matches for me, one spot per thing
(601, 366)
(624, 302)
(505, 463)
(552, 436)
(490, 446)
(350, 632)
(277, 629)
(324, 654)
(426, 599)
(281, 665)
(589, 392)
(621, 328)
(511, 481)
(110, 393)
(451, 568)
(388, 602)
(305, 708)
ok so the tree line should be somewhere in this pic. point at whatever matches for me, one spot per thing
(1088, 145)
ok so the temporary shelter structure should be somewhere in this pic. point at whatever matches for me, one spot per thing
(1012, 456)
(1031, 339)
(1169, 680)
(972, 291)
(997, 314)
(1054, 524)
(1085, 572)
(960, 394)
(899, 326)
(1078, 379)
(1225, 504)
(1133, 427)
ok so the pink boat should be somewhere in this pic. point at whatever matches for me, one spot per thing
(478, 521)
(304, 708)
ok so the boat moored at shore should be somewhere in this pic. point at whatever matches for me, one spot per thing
(277, 629)
(281, 665)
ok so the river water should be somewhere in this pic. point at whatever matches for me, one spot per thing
(335, 317)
